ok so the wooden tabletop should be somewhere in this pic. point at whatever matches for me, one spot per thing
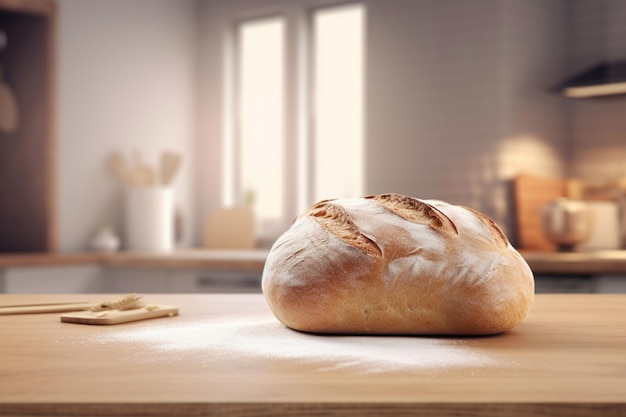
(227, 355)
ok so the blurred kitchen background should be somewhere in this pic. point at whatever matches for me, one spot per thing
(270, 105)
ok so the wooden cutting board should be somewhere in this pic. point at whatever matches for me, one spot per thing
(109, 317)
(530, 194)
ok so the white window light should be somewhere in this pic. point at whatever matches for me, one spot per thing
(338, 76)
(260, 107)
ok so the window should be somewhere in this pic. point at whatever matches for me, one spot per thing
(292, 148)
(261, 126)
(338, 98)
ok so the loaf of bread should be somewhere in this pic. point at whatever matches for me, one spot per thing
(392, 264)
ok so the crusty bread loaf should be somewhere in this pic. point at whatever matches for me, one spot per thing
(391, 264)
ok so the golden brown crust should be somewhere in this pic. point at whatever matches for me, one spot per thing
(392, 264)
(337, 221)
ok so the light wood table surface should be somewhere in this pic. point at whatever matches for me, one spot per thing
(227, 355)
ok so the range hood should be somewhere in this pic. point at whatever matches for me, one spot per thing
(604, 79)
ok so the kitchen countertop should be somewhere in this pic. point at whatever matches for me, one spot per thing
(580, 263)
(245, 260)
(227, 355)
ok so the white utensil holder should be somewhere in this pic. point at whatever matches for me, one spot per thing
(149, 219)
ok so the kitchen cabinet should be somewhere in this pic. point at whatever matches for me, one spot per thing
(27, 150)
(216, 281)
(188, 271)
(150, 280)
(580, 284)
(569, 284)
(86, 279)
(142, 281)
(610, 284)
(75, 279)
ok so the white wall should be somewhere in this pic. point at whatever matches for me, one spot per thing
(597, 126)
(126, 80)
(459, 98)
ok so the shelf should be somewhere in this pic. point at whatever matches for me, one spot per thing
(27, 153)
(241, 260)
(577, 263)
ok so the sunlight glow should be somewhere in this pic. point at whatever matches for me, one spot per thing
(261, 112)
(339, 101)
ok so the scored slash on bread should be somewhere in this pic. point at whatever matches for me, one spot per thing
(336, 220)
(416, 211)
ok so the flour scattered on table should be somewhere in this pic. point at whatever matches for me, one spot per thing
(262, 338)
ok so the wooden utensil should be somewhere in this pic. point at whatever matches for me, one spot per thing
(143, 175)
(169, 164)
(119, 168)
(116, 316)
(43, 308)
